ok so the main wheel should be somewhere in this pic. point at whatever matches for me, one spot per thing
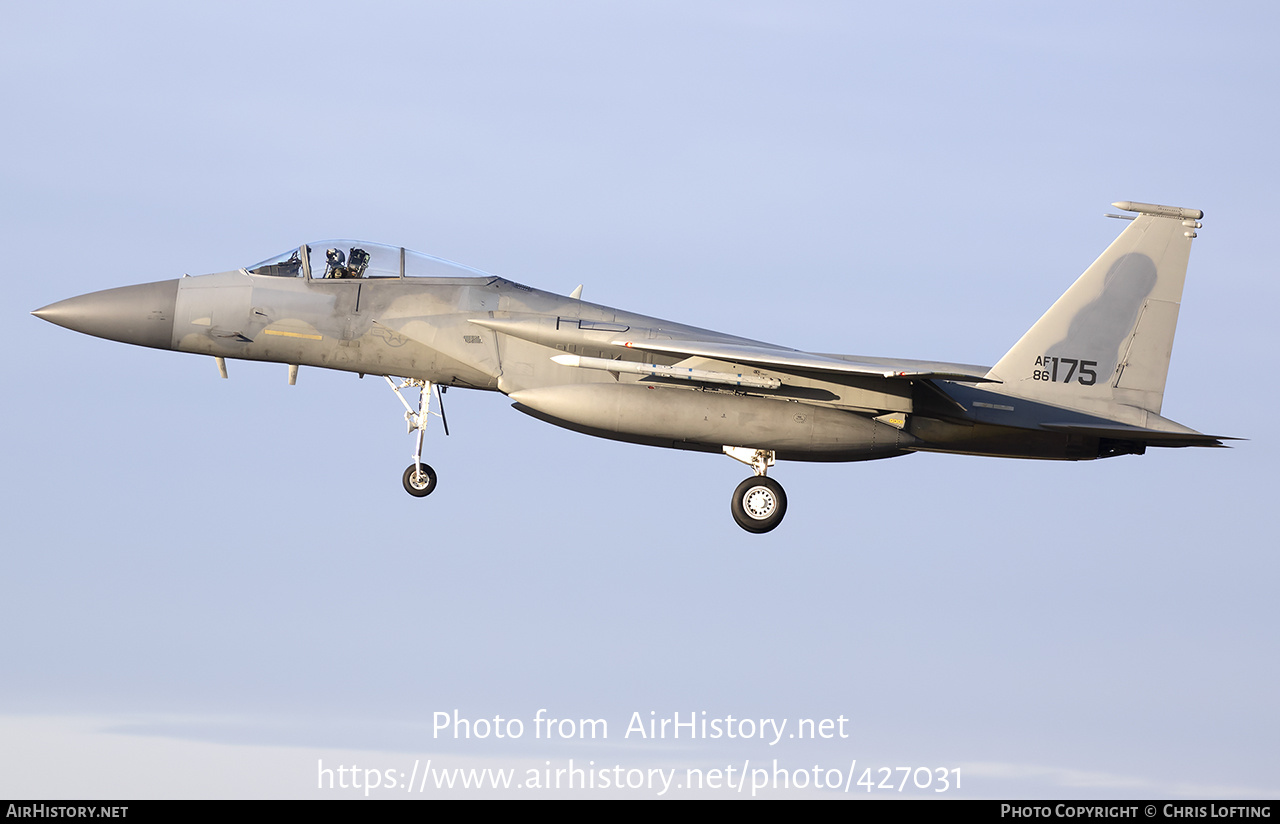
(419, 484)
(759, 504)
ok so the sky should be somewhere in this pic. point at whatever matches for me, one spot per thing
(218, 589)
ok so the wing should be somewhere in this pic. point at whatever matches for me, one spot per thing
(556, 333)
(791, 360)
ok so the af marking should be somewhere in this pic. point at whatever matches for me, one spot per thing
(1054, 370)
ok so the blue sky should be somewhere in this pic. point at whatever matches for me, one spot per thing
(211, 586)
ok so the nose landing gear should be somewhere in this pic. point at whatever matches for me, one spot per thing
(419, 479)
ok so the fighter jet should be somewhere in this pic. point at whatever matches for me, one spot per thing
(1085, 382)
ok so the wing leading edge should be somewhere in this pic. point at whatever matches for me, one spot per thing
(790, 360)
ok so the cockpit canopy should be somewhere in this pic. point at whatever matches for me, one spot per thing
(354, 259)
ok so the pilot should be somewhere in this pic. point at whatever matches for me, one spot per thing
(359, 262)
(337, 260)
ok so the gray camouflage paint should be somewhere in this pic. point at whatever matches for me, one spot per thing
(1115, 323)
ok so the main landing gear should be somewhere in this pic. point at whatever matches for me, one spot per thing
(758, 503)
(420, 479)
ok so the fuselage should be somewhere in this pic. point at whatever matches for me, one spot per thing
(1086, 380)
(486, 332)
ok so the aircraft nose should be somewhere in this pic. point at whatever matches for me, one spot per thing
(141, 315)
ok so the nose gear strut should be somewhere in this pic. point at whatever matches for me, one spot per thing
(420, 479)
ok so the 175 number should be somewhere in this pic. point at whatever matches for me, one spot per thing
(1084, 372)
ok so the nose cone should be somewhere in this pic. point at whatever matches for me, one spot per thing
(141, 315)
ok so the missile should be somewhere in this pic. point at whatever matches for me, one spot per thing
(682, 372)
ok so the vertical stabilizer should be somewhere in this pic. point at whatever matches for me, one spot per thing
(1104, 346)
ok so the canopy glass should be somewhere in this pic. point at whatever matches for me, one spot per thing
(355, 259)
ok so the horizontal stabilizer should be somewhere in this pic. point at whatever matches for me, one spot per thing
(1154, 437)
(791, 360)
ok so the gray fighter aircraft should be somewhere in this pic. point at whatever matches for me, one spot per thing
(1086, 381)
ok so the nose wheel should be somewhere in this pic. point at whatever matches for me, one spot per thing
(419, 480)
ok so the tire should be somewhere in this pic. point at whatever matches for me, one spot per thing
(759, 504)
(419, 486)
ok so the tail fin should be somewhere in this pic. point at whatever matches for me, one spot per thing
(1108, 339)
